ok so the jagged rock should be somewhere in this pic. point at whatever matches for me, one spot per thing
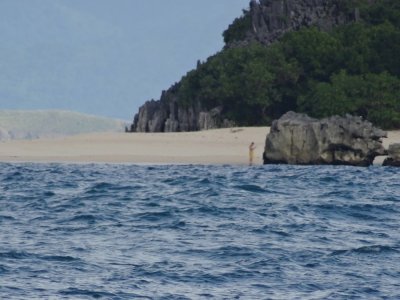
(298, 139)
(207, 120)
(271, 19)
(166, 115)
(393, 158)
(150, 118)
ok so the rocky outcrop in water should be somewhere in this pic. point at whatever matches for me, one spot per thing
(298, 139)
(393, 158)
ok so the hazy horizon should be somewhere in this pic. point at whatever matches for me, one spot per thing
(104, 57)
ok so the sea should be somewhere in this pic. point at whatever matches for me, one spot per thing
(117, 231)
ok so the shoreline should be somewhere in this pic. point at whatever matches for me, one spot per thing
(211, 147)
(218, 146)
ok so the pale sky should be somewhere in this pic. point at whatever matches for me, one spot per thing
(104, 57)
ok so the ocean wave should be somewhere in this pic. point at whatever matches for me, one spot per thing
(88, 293)
(372, 249)
(188, 231)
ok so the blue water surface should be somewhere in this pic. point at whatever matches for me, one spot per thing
(98, 231)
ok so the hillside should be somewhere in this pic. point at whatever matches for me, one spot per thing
(52, 123)
(320, 57)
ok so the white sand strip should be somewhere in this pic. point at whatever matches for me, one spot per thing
(220, 146)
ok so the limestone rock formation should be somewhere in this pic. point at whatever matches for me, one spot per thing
(166, 115)
(155, 116)
(393, 158)
(271, 19)
(298, 139)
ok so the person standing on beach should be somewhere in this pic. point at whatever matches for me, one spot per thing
(251, 153)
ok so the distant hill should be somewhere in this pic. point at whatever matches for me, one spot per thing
(52, 123)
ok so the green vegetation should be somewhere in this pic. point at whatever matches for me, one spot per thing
(373, 96)
(353, 69)
(253, 82)
(238, 29)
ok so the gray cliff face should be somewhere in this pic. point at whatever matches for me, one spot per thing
(166, 115)
(393, 158)
(298, 139)
(153, 116)
(271, 19)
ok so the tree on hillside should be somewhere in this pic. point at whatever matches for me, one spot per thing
(375, 97)
(351, 69)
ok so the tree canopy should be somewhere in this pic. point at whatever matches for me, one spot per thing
(353, 69)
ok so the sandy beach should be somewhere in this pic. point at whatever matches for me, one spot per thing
(220, 146)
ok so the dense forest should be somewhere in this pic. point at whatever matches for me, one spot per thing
(353, 68)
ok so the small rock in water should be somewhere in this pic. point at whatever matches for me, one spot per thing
(393, 158)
